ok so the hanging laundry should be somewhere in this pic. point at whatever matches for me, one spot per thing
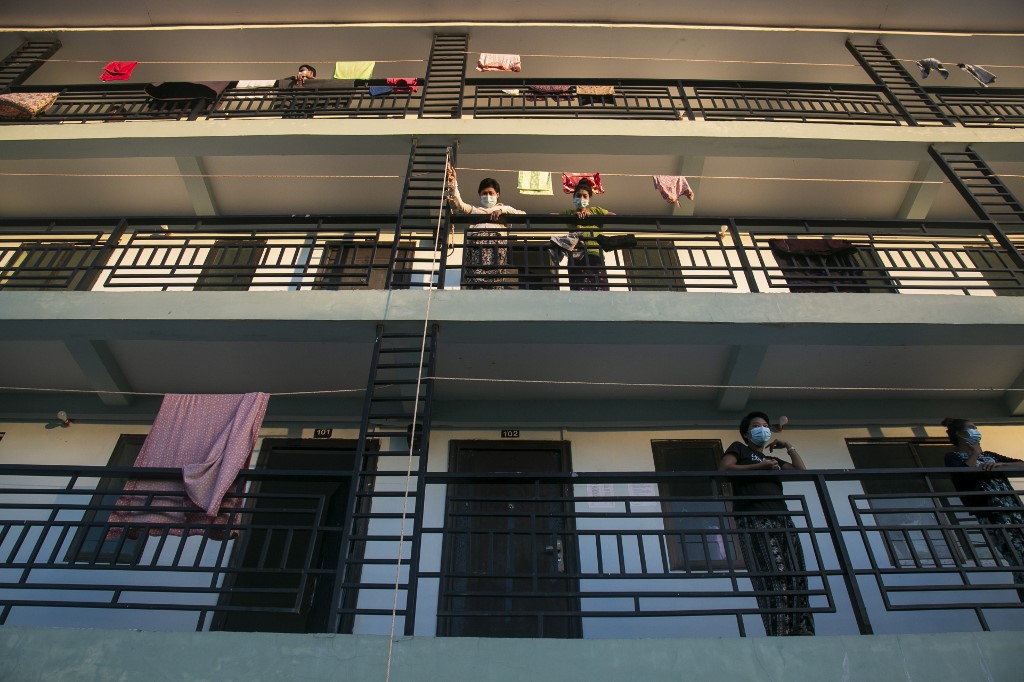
(499, 62)
(177, 91)
(926, 66)
(537, 183)
(595, 89)
(512, 91)
(672, 187)
(555, 92)
(569, 181)
(210, 438)
(252, 84)
(565, 245)
(979, 74)
(381, 90)
(24, 105)
(404, 84)
(351, 70)
(118, 71)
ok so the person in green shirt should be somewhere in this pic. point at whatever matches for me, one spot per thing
(586, 269)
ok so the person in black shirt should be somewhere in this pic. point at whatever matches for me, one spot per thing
(1003, 520)
(768, 540)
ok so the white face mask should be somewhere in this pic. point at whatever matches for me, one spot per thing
(580, 202)
(488, 200)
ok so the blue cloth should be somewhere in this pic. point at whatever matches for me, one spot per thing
(381, 90)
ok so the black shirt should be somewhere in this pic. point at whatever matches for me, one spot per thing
(755, 487)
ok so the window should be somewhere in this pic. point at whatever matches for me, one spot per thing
(360, 265)
(536, 271)
(908, 544)
(231, 265)
(691, 524)
(653, 265)
(90, 543)
(52, 265)
(827, 265)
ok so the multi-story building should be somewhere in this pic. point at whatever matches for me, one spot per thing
(524, 463)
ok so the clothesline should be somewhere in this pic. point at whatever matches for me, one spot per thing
(745, 177)
(542, 56)
(558, 382)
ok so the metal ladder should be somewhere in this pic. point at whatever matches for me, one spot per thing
(421, 210)
(24, 60)
(446, 77)
(903, 90)
(981, 188)
(373, 523)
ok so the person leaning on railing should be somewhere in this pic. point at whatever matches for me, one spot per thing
(768, 538)
(587, 273)
(1006, 514)
(485, 254)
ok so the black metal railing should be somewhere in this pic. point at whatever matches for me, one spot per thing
(587, 554)
(639, 253)
(651, 99)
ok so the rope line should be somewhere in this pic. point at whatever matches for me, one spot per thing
(749, 177)
(415, 413)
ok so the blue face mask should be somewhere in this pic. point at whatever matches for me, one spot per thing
(760, 435)
(580, 202)
(488, 200)
(973, 437)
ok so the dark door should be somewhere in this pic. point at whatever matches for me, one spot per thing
(283, 569)
(509, 556)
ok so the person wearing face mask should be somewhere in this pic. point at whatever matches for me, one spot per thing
(586, 268)
(768, 538)
(1001, 514)
(485, 254)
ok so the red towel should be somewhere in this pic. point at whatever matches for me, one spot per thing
(403, 84)
(672, 187)
(118, 71)
(210, 438)
(569, 181)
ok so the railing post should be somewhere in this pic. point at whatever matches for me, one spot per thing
(741, 253)
(685, 100)
(93, 269)
(860, 612)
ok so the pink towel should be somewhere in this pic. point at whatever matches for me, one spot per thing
(403, 84)
(210, 438)
(672, 187)
(499, 62)
(118, 71)
(570, 180)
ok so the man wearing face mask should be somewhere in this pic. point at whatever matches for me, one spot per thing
(1001, 514)
(485, 253)
(768, 540)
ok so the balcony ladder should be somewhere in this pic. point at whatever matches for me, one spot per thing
(446, 77)
(389, 479)
(905, 93)
(24, 60)
(420, 213)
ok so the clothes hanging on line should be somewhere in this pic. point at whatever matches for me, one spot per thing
(979, 74)
(570, 180)
(118, 71)
(555, 92)
(252, 84)
(490, 61)
(536, 183)
(672, 187)
(352, 70)
(177, 91)
(930, 64)
(381, 90)
(210, 438)
(595, 89)
(566, 246)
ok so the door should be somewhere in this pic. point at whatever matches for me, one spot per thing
(509, 556)
(280, 562)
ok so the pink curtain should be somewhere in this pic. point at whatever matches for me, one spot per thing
(210, 438)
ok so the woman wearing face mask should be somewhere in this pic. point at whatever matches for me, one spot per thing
(485, 253)
(587, 271)
(1004, 513)
(768, 539)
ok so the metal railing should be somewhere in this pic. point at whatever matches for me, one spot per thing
(587, 554)
(626, 253)
(651, 99)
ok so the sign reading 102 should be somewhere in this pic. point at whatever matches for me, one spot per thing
(510, 433)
